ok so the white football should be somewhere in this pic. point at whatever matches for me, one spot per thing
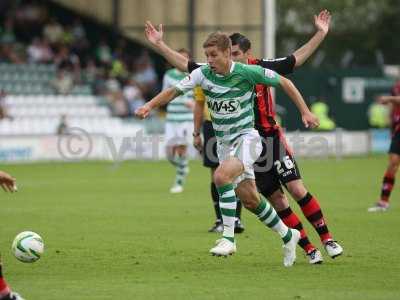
(28, 246)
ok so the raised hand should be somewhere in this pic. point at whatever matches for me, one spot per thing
(322, 21)
(153, 35)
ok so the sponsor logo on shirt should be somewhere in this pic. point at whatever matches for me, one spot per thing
(223, 106)
(269, 73)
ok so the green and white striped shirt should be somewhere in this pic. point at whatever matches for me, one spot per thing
(230, 98)
(177, 110)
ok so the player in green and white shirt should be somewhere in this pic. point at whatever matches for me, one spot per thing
(230, 98)
(178, 126)
(228, 87)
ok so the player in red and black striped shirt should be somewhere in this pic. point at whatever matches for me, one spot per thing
(394, 150)
(277, 165)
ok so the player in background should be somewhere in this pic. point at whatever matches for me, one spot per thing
(178, 126)
(8, 183)
(394, 150)
(270, 181)
(229, 89)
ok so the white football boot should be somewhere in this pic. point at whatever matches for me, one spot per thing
(223, 247)
(333, 248)
(15, 296)
(289, 249)
(380, 206)
(176, 189)
(315, 257)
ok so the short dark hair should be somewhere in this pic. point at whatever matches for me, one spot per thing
(186, 51)
(240, 40)
(218, 39)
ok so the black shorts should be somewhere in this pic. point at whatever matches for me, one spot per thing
(210, 157)
(395, 144)
(276, 165)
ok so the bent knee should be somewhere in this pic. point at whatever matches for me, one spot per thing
(279, 201)
(393, 167)
(220, 178)
(297, 191)
(251, 203)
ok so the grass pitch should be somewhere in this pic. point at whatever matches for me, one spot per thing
(116, 233)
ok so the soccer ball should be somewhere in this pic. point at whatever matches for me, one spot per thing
(28, 246)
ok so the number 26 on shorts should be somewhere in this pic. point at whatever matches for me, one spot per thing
(286, 161)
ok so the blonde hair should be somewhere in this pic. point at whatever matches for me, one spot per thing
(219, 39)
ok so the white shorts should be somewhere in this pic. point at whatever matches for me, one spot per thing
(247, 148)
(177, 133)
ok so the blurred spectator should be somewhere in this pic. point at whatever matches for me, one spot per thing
(115, 98)
(7, 34)
(119, 106)
(29, 18)
(103, 53)
(63, 83)
(11, 53)
(8, 47)
(145, 75)
(100, 84)
(53, 32)
(321, 110)
(30, 13)
(47, 53)
(34, 51)
(91, 72)
(80, 44)
(28, 35)
(133, 96)
(118, 67)
(78, 31)
(65, 60)
(3, 110)
(39, 51)
(378, 115)
(63, 127)
(67, 36)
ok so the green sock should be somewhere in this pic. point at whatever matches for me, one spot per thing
(267, 215)
(227, 205)
(181, 170)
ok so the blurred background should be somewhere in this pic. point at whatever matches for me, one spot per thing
(85, 64)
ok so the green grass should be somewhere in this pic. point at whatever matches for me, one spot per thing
(116, 233)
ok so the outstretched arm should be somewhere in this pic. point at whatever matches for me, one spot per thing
(259, 75)
(155, 38)
(162, 98)
(322, 23)
(308, 118)
(169, 94)
(388, 99)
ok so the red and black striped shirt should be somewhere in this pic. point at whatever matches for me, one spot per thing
(395, 115)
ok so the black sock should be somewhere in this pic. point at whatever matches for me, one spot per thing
(215, 199)
(238, 209)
